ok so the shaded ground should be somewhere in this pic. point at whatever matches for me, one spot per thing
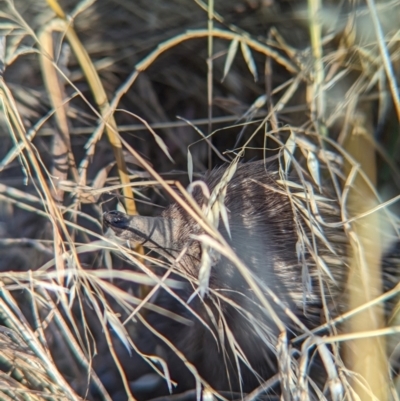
(353, 101)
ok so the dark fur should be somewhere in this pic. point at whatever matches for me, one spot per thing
(264, 227)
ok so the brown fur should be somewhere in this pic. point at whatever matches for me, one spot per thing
(266, 228)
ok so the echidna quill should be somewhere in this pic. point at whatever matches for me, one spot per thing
(282, 230)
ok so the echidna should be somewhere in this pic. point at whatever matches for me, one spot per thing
(278, 227)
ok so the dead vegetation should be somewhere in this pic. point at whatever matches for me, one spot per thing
(108, 103)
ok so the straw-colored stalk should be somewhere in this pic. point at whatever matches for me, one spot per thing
(365, 356)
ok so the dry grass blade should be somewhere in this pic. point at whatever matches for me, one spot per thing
(23, 369)
(15, 123)
(62, 145)
(366, 251)
(230, 56)
(16, 321)
(102, 102)
(279, 278)
(216, 33)
(385, 56)
(317, 92)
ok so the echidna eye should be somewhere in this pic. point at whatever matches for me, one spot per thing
(116, 219)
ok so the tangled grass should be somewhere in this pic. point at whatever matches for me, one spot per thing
(314, 85)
